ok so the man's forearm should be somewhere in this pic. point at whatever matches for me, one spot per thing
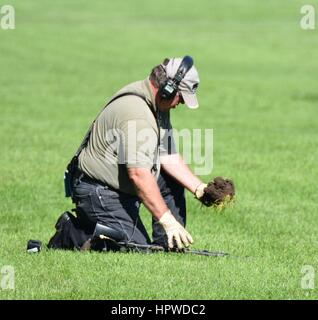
(148, 191)
(175, 166)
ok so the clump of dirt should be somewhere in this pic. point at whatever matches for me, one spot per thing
(217, 191)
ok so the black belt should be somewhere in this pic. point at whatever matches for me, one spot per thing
(80, 175)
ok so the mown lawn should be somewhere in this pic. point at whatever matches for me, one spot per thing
(258, 93)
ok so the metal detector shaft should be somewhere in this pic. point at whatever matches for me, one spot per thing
(117, 237)
(153, 249)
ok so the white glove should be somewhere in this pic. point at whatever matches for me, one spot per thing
(199, 191)
(175, 231)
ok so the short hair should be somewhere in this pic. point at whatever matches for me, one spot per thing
(158, 74)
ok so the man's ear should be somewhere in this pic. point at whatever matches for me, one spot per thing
(153, 84)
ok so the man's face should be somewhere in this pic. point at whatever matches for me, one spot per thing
(166, 105)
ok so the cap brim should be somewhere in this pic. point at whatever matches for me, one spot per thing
(190, 100)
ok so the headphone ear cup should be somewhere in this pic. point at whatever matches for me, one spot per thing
(168, 90)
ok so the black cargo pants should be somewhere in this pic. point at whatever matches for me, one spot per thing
(99, 203)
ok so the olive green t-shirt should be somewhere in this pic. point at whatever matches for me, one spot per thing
(125, 135)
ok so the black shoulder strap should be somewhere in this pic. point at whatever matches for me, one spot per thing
(86, 138)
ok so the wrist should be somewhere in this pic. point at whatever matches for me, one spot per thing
(167, 218)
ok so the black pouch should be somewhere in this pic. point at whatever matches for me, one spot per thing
(68, 177)
(68, 184)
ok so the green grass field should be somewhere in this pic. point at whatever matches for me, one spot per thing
(258, 92)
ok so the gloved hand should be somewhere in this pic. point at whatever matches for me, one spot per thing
(199, 191)
(175, 231)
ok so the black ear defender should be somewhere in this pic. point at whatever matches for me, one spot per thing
(170, 87)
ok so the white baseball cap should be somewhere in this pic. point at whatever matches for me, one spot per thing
(188, 85)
